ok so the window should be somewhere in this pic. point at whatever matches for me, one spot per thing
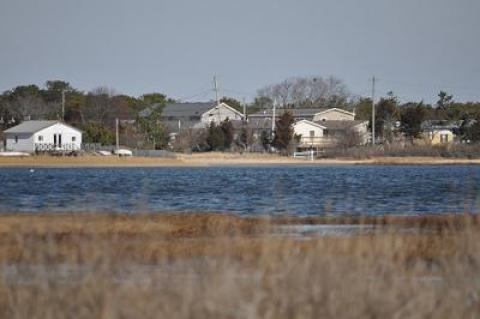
(443, 138)
(74, 138)
(40, 138)
(16, 139)
(312, 134)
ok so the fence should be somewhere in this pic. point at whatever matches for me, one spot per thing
(154, 153)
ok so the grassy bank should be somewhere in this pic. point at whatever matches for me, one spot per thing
(221, 266)
(222, 159)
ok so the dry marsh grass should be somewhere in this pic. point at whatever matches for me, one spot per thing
(222, 266)
(232, 159)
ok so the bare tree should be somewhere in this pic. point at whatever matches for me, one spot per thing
(307, 92)
(99, 105)
(190, 140)
(28, 107)
(349, 139)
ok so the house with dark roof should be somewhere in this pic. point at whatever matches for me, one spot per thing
(31, 136)
(193, 115)
(440, 131)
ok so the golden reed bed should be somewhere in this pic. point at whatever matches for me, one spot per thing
(223, 266)
(216, 159)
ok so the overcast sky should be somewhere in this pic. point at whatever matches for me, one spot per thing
(414, 47)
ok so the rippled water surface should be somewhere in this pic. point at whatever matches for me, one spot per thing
(245, 190)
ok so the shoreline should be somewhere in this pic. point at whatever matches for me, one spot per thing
(217, 160)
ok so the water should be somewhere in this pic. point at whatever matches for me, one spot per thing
(325, 190)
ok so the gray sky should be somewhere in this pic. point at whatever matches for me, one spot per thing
(414, 47)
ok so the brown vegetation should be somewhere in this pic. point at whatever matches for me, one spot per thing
(351, 157)
(222, 266)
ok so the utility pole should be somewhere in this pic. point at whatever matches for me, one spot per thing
(215, 87)
(116, 135)
(63, 104)
(244, 110)
(373, 110)
(273, 117)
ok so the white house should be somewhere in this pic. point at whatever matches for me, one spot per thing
(310, 133)
(327, 133)
(30, 136)
(220, 113)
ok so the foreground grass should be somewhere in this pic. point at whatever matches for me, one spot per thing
(221, 266)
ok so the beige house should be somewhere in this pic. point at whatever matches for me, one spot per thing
(328, 133)
(436, 137)
(440, 131)
(311, 114)
(334, 114)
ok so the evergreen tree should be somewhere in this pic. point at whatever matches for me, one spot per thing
(283, 131)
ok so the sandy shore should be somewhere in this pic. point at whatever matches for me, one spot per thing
(217, 159)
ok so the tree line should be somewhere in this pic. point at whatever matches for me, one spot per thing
(95, 111)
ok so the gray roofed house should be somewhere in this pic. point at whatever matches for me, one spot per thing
(340, 125)
(30, 127)
(180, 110)
(31, 136)
(297, 112)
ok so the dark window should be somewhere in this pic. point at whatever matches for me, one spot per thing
(74, 138)
(16, 138)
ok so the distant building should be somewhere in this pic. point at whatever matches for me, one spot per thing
(31, 136)
(193, 115)
(440, 131)
(328, 133)
(311, 114)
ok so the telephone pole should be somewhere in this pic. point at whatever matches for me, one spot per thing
(273, 117)
(215, 87)
(63, 104)
(117, 141)
(373, 110)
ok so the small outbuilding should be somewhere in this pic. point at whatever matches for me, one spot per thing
(44, 136)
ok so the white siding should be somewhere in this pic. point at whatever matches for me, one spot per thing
(28, 142)
(219, 114)
(362, 130)
(24, 142)
(71, 138)
(303, 128)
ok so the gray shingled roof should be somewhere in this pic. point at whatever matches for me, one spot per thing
(31, 126)
(339, 125)
(298, 112)
(180, 109)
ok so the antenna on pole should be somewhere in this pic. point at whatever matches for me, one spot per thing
(373, 110)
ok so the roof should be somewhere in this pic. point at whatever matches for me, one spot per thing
(434, 125)
(339, 125)
(34, 126)
(336, 110)
(297, 112)
(317, 124)
(180, 109)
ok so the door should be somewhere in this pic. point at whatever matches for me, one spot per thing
(57, 140)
